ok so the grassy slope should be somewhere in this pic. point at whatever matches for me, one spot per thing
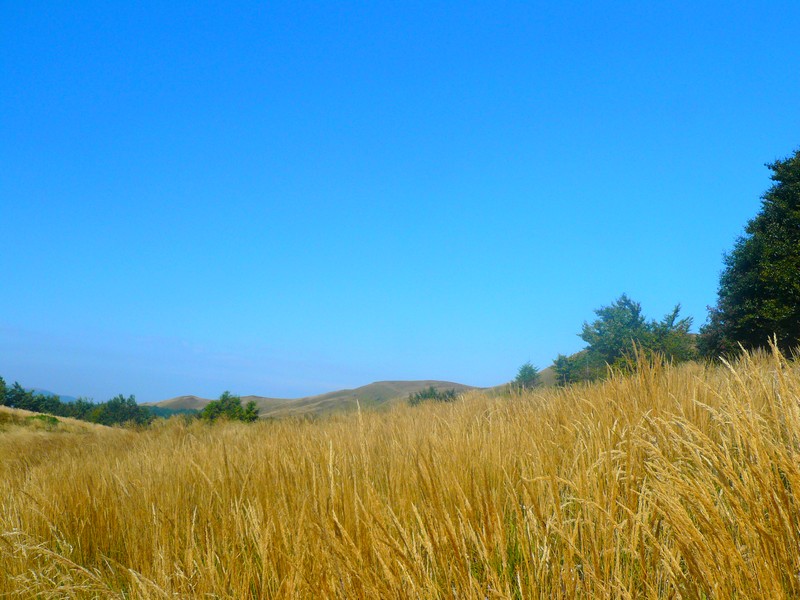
(548, 377)
(673, 483)
(18, 420)
(373, 395)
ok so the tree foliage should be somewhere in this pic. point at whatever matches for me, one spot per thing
(619, 328)
(230, 407)
(577, 367)
(120, 410)
(670, 337)
(759, 289)
(618, 325)
(527, 377)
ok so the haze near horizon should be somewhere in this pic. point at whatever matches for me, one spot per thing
(290, 199)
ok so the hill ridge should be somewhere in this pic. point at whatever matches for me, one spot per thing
(375, 394)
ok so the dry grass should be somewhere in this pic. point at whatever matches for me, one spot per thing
(673, 483)
(18, 418)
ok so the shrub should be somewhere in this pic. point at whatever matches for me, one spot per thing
(230, 407)
(431, 393)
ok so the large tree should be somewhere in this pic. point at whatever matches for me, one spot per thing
(616, 328)
(759, 289)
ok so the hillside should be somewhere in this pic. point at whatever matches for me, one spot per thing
(378, 394)
(18, 419)
(548, 377)
(181, 403)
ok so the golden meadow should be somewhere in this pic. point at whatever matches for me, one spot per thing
(673, 482)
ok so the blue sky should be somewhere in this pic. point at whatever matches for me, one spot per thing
(289, 198)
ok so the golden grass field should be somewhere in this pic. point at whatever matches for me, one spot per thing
(671, 483)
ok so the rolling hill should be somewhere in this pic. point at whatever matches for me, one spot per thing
(378, 394)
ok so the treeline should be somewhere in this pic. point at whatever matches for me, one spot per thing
(121, 410)
(117, 411)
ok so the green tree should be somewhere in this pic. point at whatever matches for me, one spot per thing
(2, 391)
(250, 413)
(18, 397)
(120, 410)
(620, 325)
(611, 339)
(80, 409)
(759, 289)
(229, 407)
(612, 335)
(562, 367)
(527, 377)
(578, 367)
(670, 337)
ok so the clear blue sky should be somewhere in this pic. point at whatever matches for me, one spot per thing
(288, 198)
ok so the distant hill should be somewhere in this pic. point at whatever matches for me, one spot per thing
(378, 394)
(181, 403)
(49, 393)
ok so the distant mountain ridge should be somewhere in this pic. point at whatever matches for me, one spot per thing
(49, 393)
(377, 394)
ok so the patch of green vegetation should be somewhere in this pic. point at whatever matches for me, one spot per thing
(431, 393)
(48, 422)
(164, 412)
(230, 407)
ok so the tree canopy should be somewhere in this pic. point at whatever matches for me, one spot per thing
(571, 369)
(618, 325)
(230, 407)
(759, 289)
(612, 336)
(527, 377)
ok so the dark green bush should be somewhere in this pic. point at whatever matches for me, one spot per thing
(229, 407)
(431, 393)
